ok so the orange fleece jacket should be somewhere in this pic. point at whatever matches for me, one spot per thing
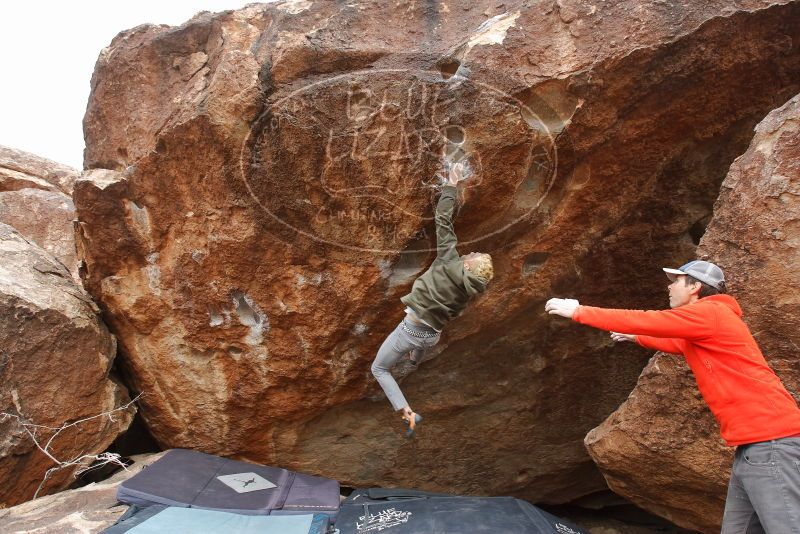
(742, 391)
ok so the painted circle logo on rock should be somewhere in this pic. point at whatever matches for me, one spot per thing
(355, 161)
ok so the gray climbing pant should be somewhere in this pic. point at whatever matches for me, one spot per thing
(764, 490)
(395, 346)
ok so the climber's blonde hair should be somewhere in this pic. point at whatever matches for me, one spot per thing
(484, 268)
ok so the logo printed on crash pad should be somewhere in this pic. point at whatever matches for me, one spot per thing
(245, 482)
(381, 521)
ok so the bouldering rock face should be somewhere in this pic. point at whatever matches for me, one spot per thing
(260, 195)
(36, 199)
(54, 370)
(661, 449)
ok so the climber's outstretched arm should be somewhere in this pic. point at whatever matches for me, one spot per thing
(445, 232)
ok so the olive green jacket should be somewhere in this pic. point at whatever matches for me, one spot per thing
(442, 292)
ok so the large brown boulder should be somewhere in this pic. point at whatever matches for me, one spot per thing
(661, 449)
(55, 358)
(261, 195)
(36, 199)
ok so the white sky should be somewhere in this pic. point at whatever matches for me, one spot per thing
(48, 49)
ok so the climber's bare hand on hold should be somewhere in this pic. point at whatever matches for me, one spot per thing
(455, 173)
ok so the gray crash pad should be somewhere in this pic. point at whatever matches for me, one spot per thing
(185, 478)
(396, 511)
(158, 519)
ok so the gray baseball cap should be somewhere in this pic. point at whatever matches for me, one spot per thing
(705, 271)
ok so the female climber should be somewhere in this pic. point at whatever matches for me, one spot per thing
(436, 297)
